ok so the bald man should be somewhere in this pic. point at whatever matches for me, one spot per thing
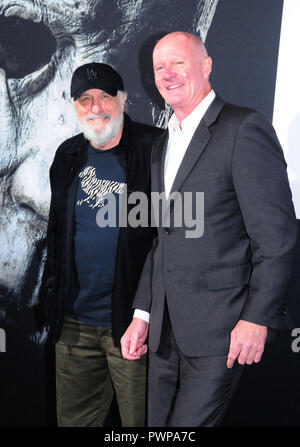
(211, 299)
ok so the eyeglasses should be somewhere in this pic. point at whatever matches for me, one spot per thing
(87, 101)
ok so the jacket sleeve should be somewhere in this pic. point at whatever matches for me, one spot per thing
(51, 237)
(262, 188)
(143, 296)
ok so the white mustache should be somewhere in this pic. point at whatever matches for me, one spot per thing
(99, 115)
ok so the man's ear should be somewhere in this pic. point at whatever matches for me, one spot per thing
(207, 66)
(124, 101)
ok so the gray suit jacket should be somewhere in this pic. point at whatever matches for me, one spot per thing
(240, 267)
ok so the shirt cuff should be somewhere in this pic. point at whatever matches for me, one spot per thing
(143, 315)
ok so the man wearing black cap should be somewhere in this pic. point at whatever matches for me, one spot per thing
(92, 273)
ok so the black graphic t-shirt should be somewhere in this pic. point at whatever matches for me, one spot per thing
(95, 247)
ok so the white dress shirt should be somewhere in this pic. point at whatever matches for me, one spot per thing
(179, 139)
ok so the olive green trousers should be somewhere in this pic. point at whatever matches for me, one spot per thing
(89, 369)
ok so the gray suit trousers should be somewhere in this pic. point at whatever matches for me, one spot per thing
(187, 391)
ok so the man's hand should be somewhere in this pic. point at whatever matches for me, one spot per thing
(247, 342)
(132, 342)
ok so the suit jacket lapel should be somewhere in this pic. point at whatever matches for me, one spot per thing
(193, 152)
(198, 143)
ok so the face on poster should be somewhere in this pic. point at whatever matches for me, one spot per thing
(35, 110)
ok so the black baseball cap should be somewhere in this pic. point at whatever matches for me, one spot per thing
(95, 75)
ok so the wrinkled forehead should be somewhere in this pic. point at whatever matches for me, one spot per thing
(50, 11)
(75, 13)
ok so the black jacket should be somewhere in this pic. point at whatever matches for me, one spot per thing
(133, 245)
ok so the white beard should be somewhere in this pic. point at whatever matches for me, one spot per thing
(106, 134)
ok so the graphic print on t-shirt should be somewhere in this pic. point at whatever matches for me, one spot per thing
(96, 189)
(95, 248)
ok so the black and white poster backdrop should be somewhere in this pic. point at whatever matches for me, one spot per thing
(286, 117)
(41, 44)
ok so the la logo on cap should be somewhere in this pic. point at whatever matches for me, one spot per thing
(91, 74)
